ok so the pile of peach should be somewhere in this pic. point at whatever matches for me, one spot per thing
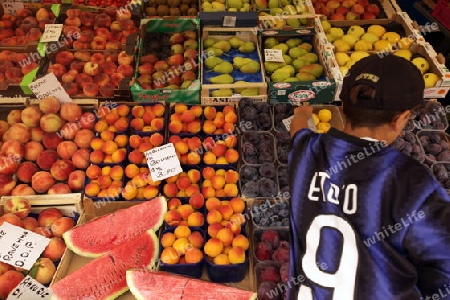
(219, 121)
(103, 30)
(185, 119)
(184, 184)
(104, 182)
(50, 223)
(187, 149)
(82, 73)
(46, 147)
(178, 71)
(182, 246)
(13, 66)
(148, 118)
(219, 183)
(23, 27)
(220, 152)
(115, 119)
(108, 148)
(226, 244)
(185, 214)
(139, 145)
(140, 185)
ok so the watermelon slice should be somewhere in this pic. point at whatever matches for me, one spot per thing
(157, 285)
(102, 234)
(105, 277)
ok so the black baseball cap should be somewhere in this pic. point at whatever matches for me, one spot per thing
(398, 83)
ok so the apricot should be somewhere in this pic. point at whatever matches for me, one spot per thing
(231, 190)
(116, 173)
(185, 210)
(231, 176)
(221, 259)
(236, 255)
(197, 200)
(235, 227)
(129, 192)
(209, 158)
(217, 182)
(209, 112)
(181, 245)
(225, 236)
(194, 175)
(183, 182)
(193, 255)
(156, 139)
(175, 127)
(213, 247)
(196, 239)
(168, 239)
(214, 216)
(135, 141)
(173, 203)
(182, 232)
(212, 204)
(172, 217)
(232, 155)
(230, 141)
(92, 189)
(226, 211)
(196, 219)
(170, 256)
(208, 191)
(208, 172)
(209, 127)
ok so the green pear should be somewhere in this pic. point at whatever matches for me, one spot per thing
(208, 42)
(235, 42)
(222, 45)
(301, 76)
(251, 68)
(293, 42)
(295, 23)
(276, 11)
(287, 68)
(292, 79)
(212, 61)
(297, 52)
(271, 66)
(331, 38)
(224, 68)
(247, 47)
(284, 2)
(310, 57)
(222, 93)
(239, 61)
(213, 52)
(290, 9)
(270, 42)
(273, 3)
(287, 59)
(356, 30)
(235, 4)
(298, 63)
(314, 69)
(307, 46)
(239, 90)
(370, 37)
(336, 32)
(222, 79)
(250, 92)
(186, 84)
(282, 46)
(280, 76)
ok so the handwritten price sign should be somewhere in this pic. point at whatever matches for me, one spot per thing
(51, 33)
(29, 289)
(20, 248)
(163, 162)
(11, 6)
(49, 86)
(275, 55)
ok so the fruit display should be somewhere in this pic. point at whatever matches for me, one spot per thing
(141, 144)
(300, 63)
(184, 184)
(269, 276)
(148, 118)
(14, 66)
(270, 214)
(104, 182)
(259, 180)
(257, 147)
(430, 117)
(185, 119)
(226, 5)
(186, 213)
(349, 10)
(114, 119)
(257, 113)
(271, 245)
(281, 9)
(220, 152)
(436, 146)
(228, 214)
(116, 3)
(440, 171)
(25, 26)
(140, 185)
(105, 29)
(219, 120)
(171, 8)
(219, 182)
(146, 284)
(187, 149)
(108, 148)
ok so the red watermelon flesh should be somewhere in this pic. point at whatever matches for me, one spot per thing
(105, 277)
(157, 285)
(102, 234)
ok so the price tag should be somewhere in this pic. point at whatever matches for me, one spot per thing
(51, 33)
(49, 86)
(311, 125)
(11, 6)
(29, 289)
(163, 162)
(229, 21)
(275, 55)
(20, 248)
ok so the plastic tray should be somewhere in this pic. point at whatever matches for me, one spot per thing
(244, 147)
(442, 135)
(242, 121)
(256, 210)
(243, 182)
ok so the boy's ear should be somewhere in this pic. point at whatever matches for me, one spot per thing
(400, 122)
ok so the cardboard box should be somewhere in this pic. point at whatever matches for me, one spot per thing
(245, 34)
(301, 14)
(169, 26)
(386, 13)
(71, 261)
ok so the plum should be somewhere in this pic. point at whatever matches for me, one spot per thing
(444, 156)
(267, 170)
(399, 144)
(284, 272)
(269, 273)
(248, 173)
(434, 149)
(265, 291)
(251, 189)
(271, 236)
(259, 114)
(267, 188)
(264, 251)
(282, 252)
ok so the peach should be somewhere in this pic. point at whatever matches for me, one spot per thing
(45, 270)
(170, 256)
(8, 164)
(185, 210)
(231, 190)
(44, 231)
(18, 206)
(51, 140)
(213, 247)
(4, 126)
(83, 138)
(61, 169)
(196, 239)
(7, 184)
(80, 158)
(22, 190)
(13, 148)
(55, 249)
(214, 216)
(59, 188)
(11, 219)
(29, 223)
(46, 159)
(14, 116)
(41, 181)
(212, 204)
(69, 130)
(170, 190)
(19, 132)
(26, 170)
(31, 116)
(156, 139)
(8, 281)
(197, 200)
(61, 225)
(70, 76)
(50, 123)
(48, 216)
(173, 203)
(236, 255)
(49, 105)
(71, 112)
(168, 239)
(87, 120)
(76, 180)
(37, 134)
(196, 219)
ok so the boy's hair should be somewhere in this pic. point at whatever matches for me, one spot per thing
(364, 117)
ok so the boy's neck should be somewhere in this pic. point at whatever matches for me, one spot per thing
(382, 133)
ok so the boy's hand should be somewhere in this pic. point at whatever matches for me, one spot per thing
(301, 117)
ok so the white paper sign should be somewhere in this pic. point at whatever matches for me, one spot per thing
(275, 55)
(20, 248)
(229, 21)
(51, 33)
(11, 6)
(29, 289)
(163, 162)
(49, 86)
(311, 125)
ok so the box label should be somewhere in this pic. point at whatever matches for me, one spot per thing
(163, 162)
(49, 86)
(275, 55)
(229, 21)
(52, 33)
(29, 289)
(12, 6)
(20, 248)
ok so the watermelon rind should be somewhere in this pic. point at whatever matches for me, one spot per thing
(81, 248)
(60, 292)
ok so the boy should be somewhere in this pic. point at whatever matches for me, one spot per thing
(367, 222)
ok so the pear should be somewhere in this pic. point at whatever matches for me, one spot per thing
(247, 47)
(270, 42)
(282, 46)
(245, 7)
(213, 52)
(310, 58)
(299, 63)
(295, 23)
(271, 66)
(287, 68)
(356, 31)
(363, 45)
(212, 61)
(302, 76)
(251, 68)
(218, 6)
(370, 37)
(314, 69)
(430, 79)
(280, 76)
(284, 2)
(222, 45)
(224, 68)
(186, 84)
(336, 32)
(287, 59)
(235, 42)
(290, 9)
(208, 42)
(222, 93)
(297, 52)
(276, 11)
(239, 90)
(235, 4)
(341, 46)
(239, 61)
(222, 79)
(250, 92)
(292, 79)
(293, 42)
(307, 46)
(273, 3)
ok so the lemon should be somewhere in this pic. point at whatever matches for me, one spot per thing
(323, 126)
(324, 115)
(316, 119)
